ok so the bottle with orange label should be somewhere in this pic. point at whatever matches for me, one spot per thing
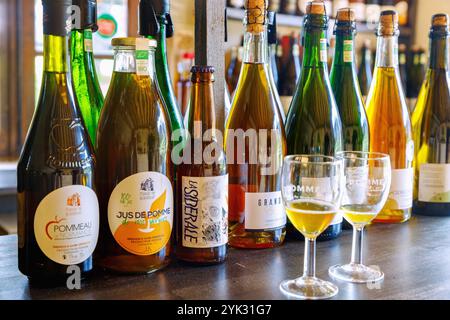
(135, 171)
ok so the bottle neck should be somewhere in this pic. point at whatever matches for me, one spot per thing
(128, 60)
(202, 108)
(344, 52)
(387, 52)
(256, 47)
(439, 53)
(55, 54)
(81, 43)
(315, 48)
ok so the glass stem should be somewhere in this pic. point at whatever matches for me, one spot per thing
(357, 245)
(309, 266)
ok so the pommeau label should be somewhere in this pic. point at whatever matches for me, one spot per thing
(204, 211)
(140, 213)
(264, 211)
(66, 224)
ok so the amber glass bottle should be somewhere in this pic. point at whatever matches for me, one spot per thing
(202, 215)
(389, 122)
(134, 168)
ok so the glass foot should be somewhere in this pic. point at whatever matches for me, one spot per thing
(308, 288)
(357, 273)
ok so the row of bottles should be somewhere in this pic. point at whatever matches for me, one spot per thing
(365, 10)
(142, 196)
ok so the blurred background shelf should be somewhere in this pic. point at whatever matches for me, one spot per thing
(295, 21)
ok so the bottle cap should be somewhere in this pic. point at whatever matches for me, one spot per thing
(56, 20)
(131, 42)
(88, 18)
(439, 26)
(388, 23)
(345, 15)
(439, 20)
(315, 7)
(202, 74)
(256, 11)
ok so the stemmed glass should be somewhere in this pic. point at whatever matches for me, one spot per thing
(367, 184)
(311, 188)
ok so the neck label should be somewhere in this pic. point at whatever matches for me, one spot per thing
(348, 50)
(142, 55)
(323, 50)
(88, 47)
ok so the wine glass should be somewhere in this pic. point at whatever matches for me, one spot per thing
(311, 188)
(367, 184)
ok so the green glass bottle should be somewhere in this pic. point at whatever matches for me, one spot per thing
(431, 122)
(344, 82)
(365, 69)
(313, 124)
(84, 76)
(160, 29)
(345, 85)
(58, 210)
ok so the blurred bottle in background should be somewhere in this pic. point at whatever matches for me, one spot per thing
(291, 71)
(359, 6)
(415, 75)
(365, 69)
(402, 65)
(184, 81)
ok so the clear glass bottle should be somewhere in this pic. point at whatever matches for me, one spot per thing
(135, 170)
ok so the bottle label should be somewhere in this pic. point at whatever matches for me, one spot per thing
(140, 213)
(264, 211)
(323, 50)
(204, 211)
(401, 192)
(348, 51)
(88, 47)
(434, 183)
(142, 55)
(66, 224)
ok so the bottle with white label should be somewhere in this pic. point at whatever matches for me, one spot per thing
(313, 124)
(431, 120)
(255, 144)
(389, 121)
(202, 187)
(58, 211)
(135, 172)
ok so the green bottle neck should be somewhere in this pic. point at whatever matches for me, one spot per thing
(55, 54)
(81, 44)
(344, 55)
(439, 53)
(315, 48)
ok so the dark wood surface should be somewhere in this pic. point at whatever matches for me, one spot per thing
(415, 258)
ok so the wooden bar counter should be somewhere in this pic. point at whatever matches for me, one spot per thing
(414, 256)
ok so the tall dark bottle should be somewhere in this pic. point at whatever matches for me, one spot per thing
(416, 75)
(291, 72)
(160, 30)
(202, 215)
(365, 69)
(85, 80)
(431, 123)
(58, 210)
(313, 124)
